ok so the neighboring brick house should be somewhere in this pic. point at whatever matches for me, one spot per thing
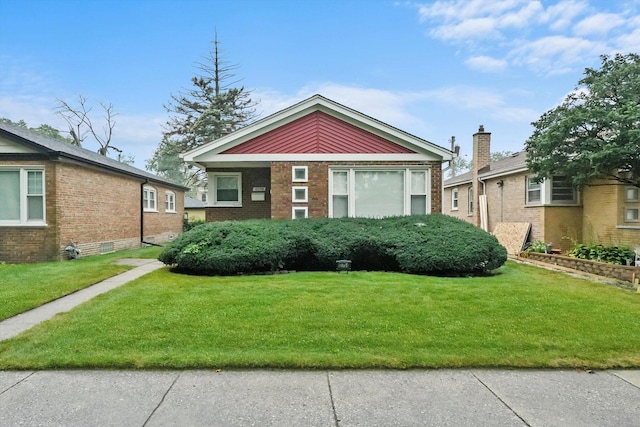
(318, 158)
(603, 212)
(54, 194)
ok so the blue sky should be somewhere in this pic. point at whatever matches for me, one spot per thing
(432, 68)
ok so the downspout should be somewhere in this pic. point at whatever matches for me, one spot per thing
(146, 181)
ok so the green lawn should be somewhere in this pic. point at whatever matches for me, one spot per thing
(522, 317)
(25, 286)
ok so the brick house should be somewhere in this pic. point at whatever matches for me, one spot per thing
(319, 158)
(604, 212)
(53, 194)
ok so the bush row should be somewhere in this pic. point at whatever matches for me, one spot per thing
(609, 254)
(429, 244)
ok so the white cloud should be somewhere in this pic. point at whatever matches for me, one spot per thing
(478, 100)
(460, 10)
(549, 38)
(556, 54)
(476, 29)
(560, 16)
(599, 24)
(486, 64)
(629, 42)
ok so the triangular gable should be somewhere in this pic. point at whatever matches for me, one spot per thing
(318, 133)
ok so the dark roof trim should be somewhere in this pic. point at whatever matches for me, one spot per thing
(50, 148)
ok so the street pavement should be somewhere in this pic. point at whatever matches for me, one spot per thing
(320, 398)
(341, 398)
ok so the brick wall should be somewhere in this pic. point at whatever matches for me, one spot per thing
(613, 271)
(507, 203)
(33, 244)
(99, 211)
(463, 203)
(279, 183)
(162, 226)
(603, 216)
(251, 177)
(318, 190)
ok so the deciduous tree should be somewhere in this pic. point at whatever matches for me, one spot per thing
(595, 132)
(81, 125)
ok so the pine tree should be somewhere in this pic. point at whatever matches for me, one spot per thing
(212, 108)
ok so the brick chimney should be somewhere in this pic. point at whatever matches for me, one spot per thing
(481, 149)
(479, 163)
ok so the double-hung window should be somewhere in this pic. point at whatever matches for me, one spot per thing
(631, 204)
(149, 199)
(454, 199)
(470, 201)
(22, 196)
(556, 190)
(378, 192)
(170, 201)
(534, 191)
(227, 188)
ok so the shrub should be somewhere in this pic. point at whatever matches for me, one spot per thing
(538, 246)
(429, 244)
(188, 225)
(608, 254)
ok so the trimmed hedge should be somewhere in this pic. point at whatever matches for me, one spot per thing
(428, 244)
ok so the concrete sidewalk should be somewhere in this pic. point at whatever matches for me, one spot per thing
(13, 326)
(320, 398)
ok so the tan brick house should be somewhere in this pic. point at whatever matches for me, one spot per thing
(53, 194)
(319, 158)
(604, 212)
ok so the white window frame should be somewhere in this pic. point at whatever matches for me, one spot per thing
(23, 172)
(412, 192)
(470, 201)
(305, 170)
(305, 197)
(632, 204)
(530, 187)
(546, 194)
(146, 200)
(454, 199)
(351, 196)
(303, 209)
(170, 201)
(213, 183)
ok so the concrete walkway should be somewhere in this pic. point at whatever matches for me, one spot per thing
(13, 326)
(320, 398)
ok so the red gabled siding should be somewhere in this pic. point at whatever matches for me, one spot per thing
(318, 133)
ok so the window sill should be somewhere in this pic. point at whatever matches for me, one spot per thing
(150, 210)
(552, 205)
(628, 227)
(171, 212)
(225, 206)
(454, 209)
(25, 224)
